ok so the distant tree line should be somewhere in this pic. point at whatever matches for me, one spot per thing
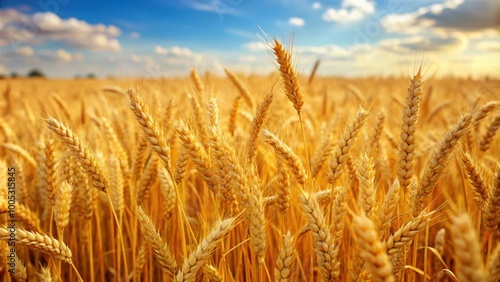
(38, 73)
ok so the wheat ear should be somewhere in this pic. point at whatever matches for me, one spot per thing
(202, 254)
(287, 71)
(475, 178)
(408, 128)
(81, 152)
(233, 115)
(257, 123)
(491, 216)
(212, 273)
(492, 129)
(341, 152)
(198, 83)
(168, 190)
(62, 207)
(287, 155)
(20, 274)
(367, 193)
(39, 242)
(372, 250)
(469, 264)
(493, 265)
(244, 92)
(323, 241)
(285, 261)
(437, 163)
(387, 209)
(49, 171)
(116, 179)
(45, 275)
(283, 184)
(21, 152)
(150, 126)
(160, 249)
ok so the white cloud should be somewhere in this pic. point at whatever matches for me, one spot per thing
(450, 15)
(419, 43)
(255, 46)
(18, 28)
(218, 7)
(63, 55)
(350, 11)
(176, 51)
(134, 35)
(135, 58)
(342, 15)
(247, 59)
(493, 46)
(296, 21)
(25, 51)
(316, 6)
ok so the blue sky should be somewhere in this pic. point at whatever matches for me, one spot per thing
(168, 38)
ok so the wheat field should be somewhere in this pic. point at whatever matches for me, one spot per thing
(284, 177)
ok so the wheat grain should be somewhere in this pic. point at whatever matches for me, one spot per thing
(467, 250)
(39, 242)
(285, 261)
(81, 152)
(437, 163)
(200, 256)
(160, 249)
(377, 262)
(292, 87)
(408, 128)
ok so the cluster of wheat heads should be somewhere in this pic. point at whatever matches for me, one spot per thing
(274, 178)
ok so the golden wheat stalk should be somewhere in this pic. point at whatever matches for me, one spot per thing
(40, 242)
(290, 80)
(491, 215)
(323, 242)
(204, 251)
(469, 263)
(408, 128)
(372, 250)
(285, 261)
(151, 128)
(492, 129)
(480, 188)
(244, 92)
(341, 152)
(437, 163)
(161, 250)
(287, 155)
(82, 153)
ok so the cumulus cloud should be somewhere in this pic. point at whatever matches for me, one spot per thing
(296, 21)
(461, 15)
(350, 11)
(247, 59)
(424, 43)
(17, 28)
(135, 58)
(255, 46)
(176, 51)
(63, 55)
(24, 51)
(27, 53)
(316, 6)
